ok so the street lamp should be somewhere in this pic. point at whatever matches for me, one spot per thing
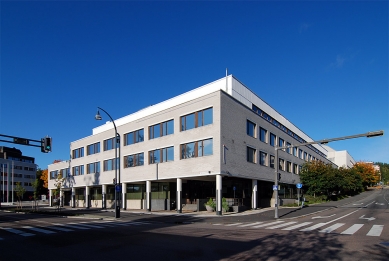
(117, 160)
(324, 141)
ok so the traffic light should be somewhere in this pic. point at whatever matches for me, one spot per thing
(279, 176)
(46, 144)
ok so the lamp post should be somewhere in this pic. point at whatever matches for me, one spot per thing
(117, 161)
(325, 141)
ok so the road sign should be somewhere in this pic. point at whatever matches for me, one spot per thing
(299, 185)
(275, 187)
(234, 188)
(118, 188)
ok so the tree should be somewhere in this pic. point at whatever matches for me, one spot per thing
(384, 169)
(367, 172)
(20, 190)
(45, 178)
(352, 181)
(58, 183)
(35, 185)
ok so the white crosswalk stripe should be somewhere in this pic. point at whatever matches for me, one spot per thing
(351, 230)
(18, 232)
(233, 224)
(375, 231)
(282, 225)
(250, 224)
(331, 228)
(269, 224)
(313, 227)
(297, 226)
(45, 231)
(71, 226)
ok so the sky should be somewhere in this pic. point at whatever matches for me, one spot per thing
(321, 64)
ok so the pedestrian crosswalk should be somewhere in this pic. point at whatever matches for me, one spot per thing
(339, 228)
(53, 228)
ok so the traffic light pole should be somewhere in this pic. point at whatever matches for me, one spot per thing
(27, 142)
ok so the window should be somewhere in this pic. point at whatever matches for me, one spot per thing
(134, 160)
(305, 156)
(197, 119)
(93, 148)
(251, 155)
(300, 154)
(93, 168)
(295, 151)
(78, 170)
(271, 161)
(197, 149)
(161, 155)
(272, 139)
(288, 150)
(110, 143)
(263, 158)
(110, 164)
(133, 137)
(294, 168)
(263, 135)
(78, 153)
(161, 129)
(281, 143)
(53, 174)
(289, 166)
(281, 164)
(251, 128)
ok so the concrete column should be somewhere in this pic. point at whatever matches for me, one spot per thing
(148, 195)
(50, 197)
(87, 197)
(218, 195)
(124, 191)
(73, 202)
(254, 204)
(179, 196)
(104, 196)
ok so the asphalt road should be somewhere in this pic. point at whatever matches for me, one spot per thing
(353, 229)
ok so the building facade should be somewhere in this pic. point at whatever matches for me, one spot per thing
(215, 141)
(14, 168)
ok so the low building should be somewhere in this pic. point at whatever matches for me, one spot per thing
(214, 141)
(14, 168)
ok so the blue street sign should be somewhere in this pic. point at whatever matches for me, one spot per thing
(299, 185)
(275, 187)
(234, 188)
(118, 188)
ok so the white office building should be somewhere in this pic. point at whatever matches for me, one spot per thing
(214, 141)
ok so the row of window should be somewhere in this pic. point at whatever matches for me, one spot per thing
(267, 117)
(190, 121)
(21, 159)
(26, 184)
(251, 130)
(189, 150)
(268, 160)
(16, 175)
(18, 167)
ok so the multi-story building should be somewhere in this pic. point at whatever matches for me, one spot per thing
(217, 141)
(14, 168)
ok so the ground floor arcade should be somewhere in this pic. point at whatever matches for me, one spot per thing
(179, 194)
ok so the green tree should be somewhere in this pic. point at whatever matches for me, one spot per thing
(384, 170)
(58, 183)
(352, 181)
(35, 185)
(20, 190)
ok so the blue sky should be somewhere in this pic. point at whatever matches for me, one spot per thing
(321, 64)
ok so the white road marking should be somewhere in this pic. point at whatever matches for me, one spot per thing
(251, 224)
(269, 224)
(60, 229)
(351, 230)
(324, 216)
(297, 226)
(18, 232)
(314, 227)
(331, 228)
(217, 224)
(375, 231)
(370, 218)
(233, 224)
(87, 225)
(71, 226)
(40, 230)
(282, 225)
